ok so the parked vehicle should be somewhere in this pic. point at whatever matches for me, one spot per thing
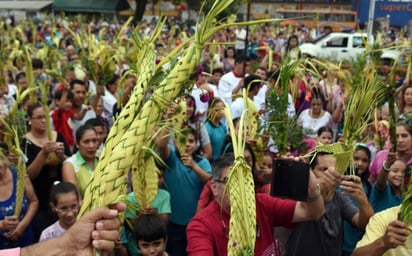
(339, 46)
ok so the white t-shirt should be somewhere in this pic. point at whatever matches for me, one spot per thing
(12, 90)
(201, 107)
(311, 125)
(240, 39)
(77, 123)
(238, 106)
(108, 102)
(226, 85)
(52, 231)
(260, 97)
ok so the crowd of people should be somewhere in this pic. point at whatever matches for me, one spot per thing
(190, 214)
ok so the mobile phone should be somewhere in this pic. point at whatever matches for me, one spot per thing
(290, 179)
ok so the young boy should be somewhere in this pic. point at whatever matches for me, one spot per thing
(160, 205)
(151, 234)
(63, 114)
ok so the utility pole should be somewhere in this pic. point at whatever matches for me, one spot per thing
(370, 20)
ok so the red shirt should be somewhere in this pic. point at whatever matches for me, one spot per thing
(207, 232)
(61, 122)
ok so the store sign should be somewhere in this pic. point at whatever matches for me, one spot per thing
(394, 6)
(398, 11)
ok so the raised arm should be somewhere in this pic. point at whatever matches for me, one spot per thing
(314, 207)
(394, 235)
(385, 169)
(355, 190)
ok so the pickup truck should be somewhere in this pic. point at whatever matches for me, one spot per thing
(339, 46)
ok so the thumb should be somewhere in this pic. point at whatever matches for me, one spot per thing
(103, 213)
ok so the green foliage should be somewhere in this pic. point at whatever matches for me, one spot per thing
(234, 8)
(286, 133)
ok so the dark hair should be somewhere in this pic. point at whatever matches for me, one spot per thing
(218, 70)
(230, 48)
(290, 39)
(95, 122)
(264, 69)
(241, 59)
(149, 227)
(33, 107)
(62, 188)
(221, 163)
(77, 81)
(365, 175)
(58, 94)
(82, 130)
(407, 127)
(213, 101)
(37, 63)
(274, 75)
(325, 129)
(20, 76)
(313, 158)
(192, 118)
(191, 130)
(252, 81)
(10, 76)
(112, 80)
(229, 150)
(317, 94)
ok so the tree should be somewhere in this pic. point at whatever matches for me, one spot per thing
(139, 11)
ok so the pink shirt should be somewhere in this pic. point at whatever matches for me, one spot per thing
(10, 252)
(376, 165)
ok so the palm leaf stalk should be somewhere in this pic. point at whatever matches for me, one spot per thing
(179, 123)
(391, 97)
(123, 121)
(242, 232)
(366, 90)
(29, 73)
(106, 185)
(44, 89)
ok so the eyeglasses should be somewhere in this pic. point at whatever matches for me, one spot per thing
(224, 180)
(39, 117)
(66, 210)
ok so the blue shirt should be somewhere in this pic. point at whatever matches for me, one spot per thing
(217, 135)
(382, 200)
(184, 186)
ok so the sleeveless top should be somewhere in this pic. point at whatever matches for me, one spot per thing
(82, 170)
(7, 208)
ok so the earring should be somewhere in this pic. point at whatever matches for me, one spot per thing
(29, 123)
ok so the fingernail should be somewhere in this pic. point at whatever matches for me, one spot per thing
(95, 235)
(99, 225)
(95, 243)
(113, 212)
